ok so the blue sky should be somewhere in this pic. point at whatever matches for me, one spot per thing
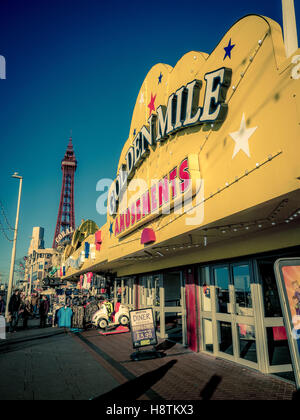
(79, 64)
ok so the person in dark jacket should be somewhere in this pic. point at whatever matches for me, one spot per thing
(26, 309)
(2, 305)
(44, 309)
(13, 309)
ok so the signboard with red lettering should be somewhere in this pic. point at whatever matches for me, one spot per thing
(143, 332)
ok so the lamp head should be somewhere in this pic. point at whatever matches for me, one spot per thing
(16, 175)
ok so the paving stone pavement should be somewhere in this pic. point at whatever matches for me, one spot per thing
(48, 364)
(189, 376)
(51, 364)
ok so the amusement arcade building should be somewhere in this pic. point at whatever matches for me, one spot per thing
(206, 198)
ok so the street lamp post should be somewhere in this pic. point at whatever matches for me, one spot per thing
(13, 254)
(289, 27)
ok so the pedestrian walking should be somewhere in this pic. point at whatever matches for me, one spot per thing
(13, 309)
(2, 305)
(34, 302)
(44, 309)
(26, 309)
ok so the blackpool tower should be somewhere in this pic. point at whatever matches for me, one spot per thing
(65, 224)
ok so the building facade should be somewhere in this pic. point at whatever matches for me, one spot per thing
(40, 260)
(206, 198)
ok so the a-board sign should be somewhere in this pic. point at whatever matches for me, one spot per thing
(287, 273)
(143, 332)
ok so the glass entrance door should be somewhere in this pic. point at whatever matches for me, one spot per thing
(240, 315)
(244, 313)
(234, 317)
(277, 354)
(224, 297)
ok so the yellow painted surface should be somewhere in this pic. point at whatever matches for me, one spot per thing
(241, 246)
(236, 187)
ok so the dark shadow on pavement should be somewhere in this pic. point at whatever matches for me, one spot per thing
(12, 345)
(165, 345)
(211, 386)
(132, 390)
(296, 395)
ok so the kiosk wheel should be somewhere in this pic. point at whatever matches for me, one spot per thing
(102, 323)
(123, 320)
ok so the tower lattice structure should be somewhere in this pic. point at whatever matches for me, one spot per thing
(66, 215)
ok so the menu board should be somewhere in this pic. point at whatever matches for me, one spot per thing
(143, 332)
(287, 273)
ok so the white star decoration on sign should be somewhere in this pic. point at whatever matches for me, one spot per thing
(242, 137)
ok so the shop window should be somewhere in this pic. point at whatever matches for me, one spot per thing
(278, 347)
(225, 337)
(247, 341)
(150, 291)
(157, 291)
(172, 286)
(270, 292)
(221, 275)
(241, 279)
(205, 289)
(208, 335)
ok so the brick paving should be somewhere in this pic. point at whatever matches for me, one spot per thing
(181, 375)
(49, 365)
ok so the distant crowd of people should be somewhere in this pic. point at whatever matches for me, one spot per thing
(23, 307)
